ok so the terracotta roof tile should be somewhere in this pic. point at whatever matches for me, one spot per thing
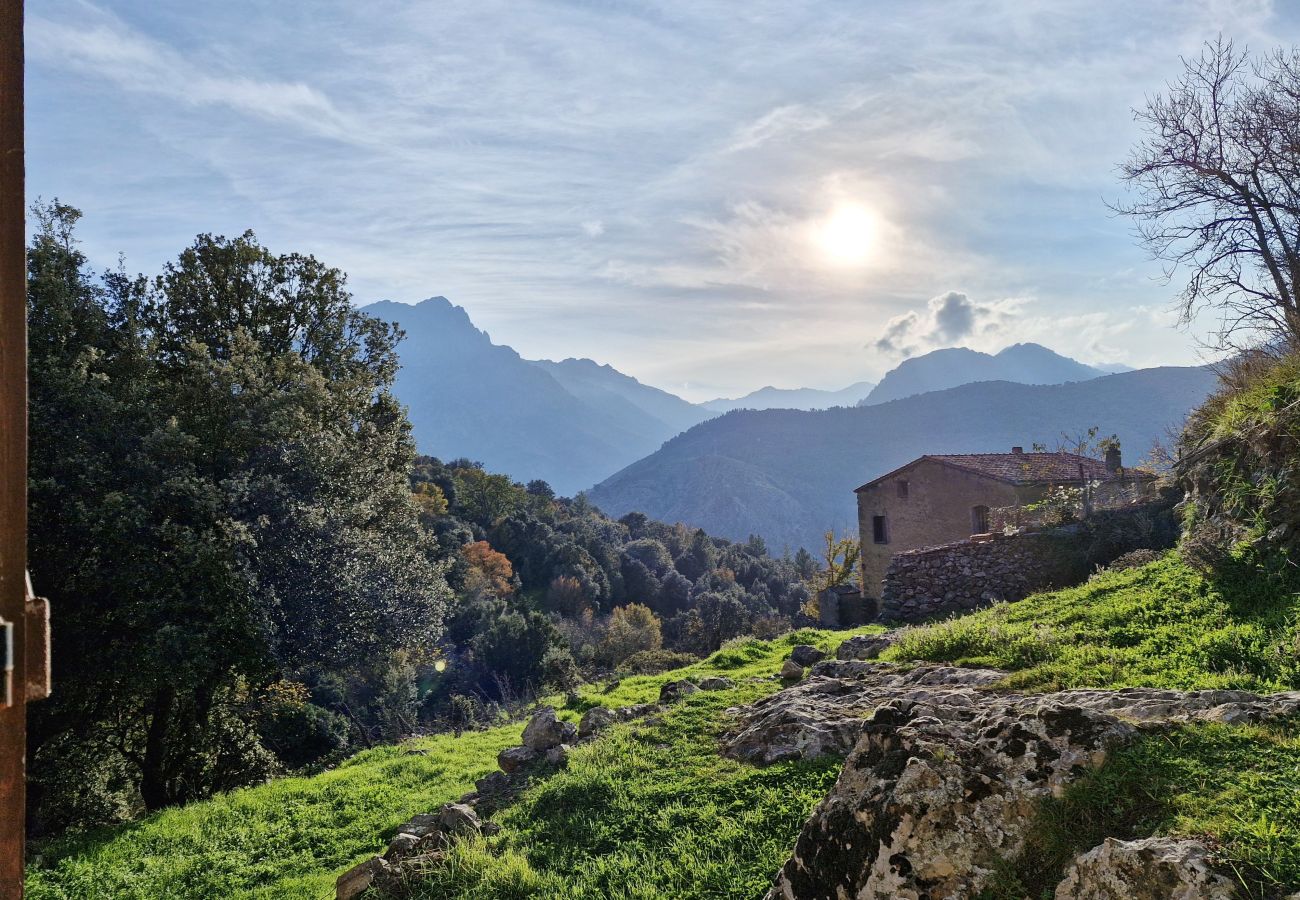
(1018, 468)
(1028, 468)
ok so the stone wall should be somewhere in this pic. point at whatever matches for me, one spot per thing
(958, 577)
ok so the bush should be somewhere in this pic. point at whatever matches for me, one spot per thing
(652, 662)
(632, 629)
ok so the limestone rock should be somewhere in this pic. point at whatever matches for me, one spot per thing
(717, 683)
(943, 781)
(402, 844)
(791, 670)
(1157, 868)
(459, 818)
(512, 759)
(864, 646)
(545, 731)
(676, 690)
(637, 710)
(806, 654)
(493, 784)
(826, 715)
(360, 878)
(596, 720)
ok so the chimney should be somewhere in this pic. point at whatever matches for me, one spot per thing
(1113, 462)
(1017, 449)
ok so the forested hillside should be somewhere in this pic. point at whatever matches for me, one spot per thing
(789, 475)
(255, 574)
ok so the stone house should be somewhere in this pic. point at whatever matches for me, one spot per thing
(937, 499)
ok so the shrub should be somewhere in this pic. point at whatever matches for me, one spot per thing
(632, 628)
(652, 662)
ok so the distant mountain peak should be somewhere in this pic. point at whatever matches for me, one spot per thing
(1022, 363)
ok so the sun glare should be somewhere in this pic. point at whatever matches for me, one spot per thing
(847, 235)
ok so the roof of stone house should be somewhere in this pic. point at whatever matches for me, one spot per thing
(1019, 468)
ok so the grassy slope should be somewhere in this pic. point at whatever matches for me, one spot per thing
(1163, 625)
(290, 838)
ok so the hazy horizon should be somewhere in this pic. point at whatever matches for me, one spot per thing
(707, 198)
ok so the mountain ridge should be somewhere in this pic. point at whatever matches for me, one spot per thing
(789, 475)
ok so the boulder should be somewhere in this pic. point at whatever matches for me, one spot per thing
(864, 646)
(421, 825)
(545, 730)
(512, 759)
(717, 683)
(676, 690)
(596, 720)
(492, 784)
(558, 756)
(806, 654)
(1158, 868)
(360, 878)
(459, 818)
(943, 782)
(791, 670)
(636, 711)
(402, 844)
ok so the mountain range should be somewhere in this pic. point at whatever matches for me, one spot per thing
(789, 475)
(576, 423)
(570, 423)
(955, 366)
(793, 398)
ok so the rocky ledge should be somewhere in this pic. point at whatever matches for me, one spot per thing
(943, 776)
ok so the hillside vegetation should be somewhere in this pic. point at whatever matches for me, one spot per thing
(684, 820)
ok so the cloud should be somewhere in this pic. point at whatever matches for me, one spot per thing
(949, 320)
(102, 45)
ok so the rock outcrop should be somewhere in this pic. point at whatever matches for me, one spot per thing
(1158, 868)
(944, 776)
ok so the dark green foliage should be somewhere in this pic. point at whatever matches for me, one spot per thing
(219, 497)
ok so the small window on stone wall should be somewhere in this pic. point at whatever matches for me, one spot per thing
(902, 490)
(979, 520)
(879, 530)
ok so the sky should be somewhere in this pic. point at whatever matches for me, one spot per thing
(710, 196)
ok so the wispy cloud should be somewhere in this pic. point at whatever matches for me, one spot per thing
(101, 46)
(640, 183)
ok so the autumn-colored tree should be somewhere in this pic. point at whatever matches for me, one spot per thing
(631, 629)
(430, 499)
(490, 571)
(838, 566)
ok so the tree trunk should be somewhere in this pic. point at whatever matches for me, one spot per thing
(153, 777)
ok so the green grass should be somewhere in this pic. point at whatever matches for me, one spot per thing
(1161, 625)
(1237, 786)
(291, 838)
(649, 811)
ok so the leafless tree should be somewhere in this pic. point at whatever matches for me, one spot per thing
(1216, 191)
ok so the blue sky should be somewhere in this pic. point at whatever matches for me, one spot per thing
(649, 185)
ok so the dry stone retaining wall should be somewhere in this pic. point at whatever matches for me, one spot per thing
(956, 578)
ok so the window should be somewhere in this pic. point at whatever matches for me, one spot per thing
(902, 490)
(979, 520)
(879, 530)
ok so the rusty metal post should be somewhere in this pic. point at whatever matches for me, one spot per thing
(13, 445)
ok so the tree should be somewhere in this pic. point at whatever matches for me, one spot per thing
(1217, 185)
(632, 629)
(219, 498)
(493, 568)
(839, 559)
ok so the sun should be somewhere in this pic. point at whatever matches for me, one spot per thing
(847, 235)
